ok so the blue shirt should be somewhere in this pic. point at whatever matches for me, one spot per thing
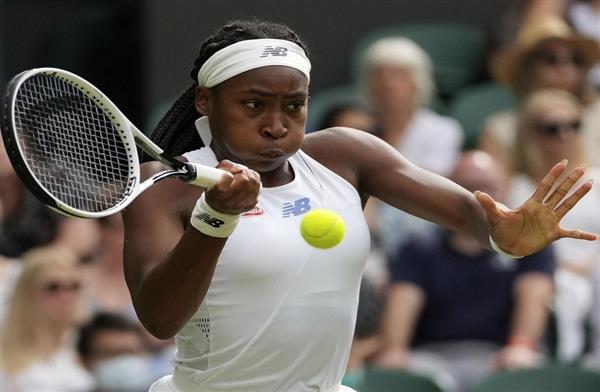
(467, 297)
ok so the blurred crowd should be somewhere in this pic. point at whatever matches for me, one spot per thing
(432, 302)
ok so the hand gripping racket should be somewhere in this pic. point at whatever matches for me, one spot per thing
(75, 150)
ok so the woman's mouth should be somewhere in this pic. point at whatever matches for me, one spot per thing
(272, 154)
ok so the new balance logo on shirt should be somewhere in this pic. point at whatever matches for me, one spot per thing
(274, 51)
(298, 207)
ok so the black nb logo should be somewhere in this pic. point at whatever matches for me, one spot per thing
(274, 51)
(209, 220)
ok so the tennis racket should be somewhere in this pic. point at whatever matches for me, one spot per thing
(75, 150)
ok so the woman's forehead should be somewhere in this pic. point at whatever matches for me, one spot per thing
(275, 77)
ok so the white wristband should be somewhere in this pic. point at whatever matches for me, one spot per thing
(211, 222)
(500, 251)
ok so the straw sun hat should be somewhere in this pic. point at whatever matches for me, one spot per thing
(508, 64)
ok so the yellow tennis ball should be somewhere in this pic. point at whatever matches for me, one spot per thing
(322, 228)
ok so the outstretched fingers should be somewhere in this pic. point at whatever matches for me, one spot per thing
(548, 181)
(572, 200)
(565, 187)
(578, 234)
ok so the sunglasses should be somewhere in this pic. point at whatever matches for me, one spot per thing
(56, 287)
(553, 128)
(555, 59)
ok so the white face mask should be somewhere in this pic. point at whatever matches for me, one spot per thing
(125, 373)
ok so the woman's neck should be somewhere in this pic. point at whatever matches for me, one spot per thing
(282, 175)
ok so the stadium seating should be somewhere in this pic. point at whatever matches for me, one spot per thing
(552, 378)
(384, 380)
(472, 105)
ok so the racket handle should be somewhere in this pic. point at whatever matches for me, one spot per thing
(205, 176)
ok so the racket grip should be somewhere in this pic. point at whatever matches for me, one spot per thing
(205, 176)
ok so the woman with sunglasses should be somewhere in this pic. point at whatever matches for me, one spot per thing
(547, 54)
(37, 336)
(549, 130)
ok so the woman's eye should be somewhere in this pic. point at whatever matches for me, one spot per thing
(253, 104)
(296, 106)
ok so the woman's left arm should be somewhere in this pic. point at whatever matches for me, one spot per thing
(378, 170)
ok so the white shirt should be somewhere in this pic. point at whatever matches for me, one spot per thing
(279, 315)
(432, 141)
(62, 372)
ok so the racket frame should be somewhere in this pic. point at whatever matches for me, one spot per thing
(131, 136)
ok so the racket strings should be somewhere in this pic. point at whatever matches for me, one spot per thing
(71, 145)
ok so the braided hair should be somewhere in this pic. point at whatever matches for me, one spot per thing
(175, 132)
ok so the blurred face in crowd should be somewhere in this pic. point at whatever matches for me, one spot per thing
(356, 118)
(556, 131)
(391, 88)
(120, 361)
(107, 344)
(557, 64)
(58, 294)
(478, 171)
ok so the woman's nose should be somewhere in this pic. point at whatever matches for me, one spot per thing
(274, 125)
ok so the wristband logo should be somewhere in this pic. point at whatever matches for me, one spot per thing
(209, 220)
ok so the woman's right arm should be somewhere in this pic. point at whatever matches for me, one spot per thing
(168, 266)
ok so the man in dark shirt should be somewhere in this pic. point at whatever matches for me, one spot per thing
(456, 310)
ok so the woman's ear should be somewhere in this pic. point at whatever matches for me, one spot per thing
(202, 100)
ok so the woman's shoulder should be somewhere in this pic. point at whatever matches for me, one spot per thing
(336, 142)
(342, 150)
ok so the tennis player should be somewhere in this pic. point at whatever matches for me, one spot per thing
(251, 305)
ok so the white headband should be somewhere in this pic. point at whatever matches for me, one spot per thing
(250, 54)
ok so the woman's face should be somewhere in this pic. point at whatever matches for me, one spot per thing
(556, 132)
(58, 292)
(257, 118)
(557, 64)
(391, 88)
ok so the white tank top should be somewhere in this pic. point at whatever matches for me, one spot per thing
(279, 314)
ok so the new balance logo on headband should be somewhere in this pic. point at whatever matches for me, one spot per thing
(274, 51)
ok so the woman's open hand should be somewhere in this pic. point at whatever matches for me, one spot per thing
(535, 224)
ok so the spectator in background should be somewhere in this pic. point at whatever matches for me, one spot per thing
(547, 54)
(398, 85)
(585, 18)
(351, 115)
(592, 360)
(26, 223)
(550, 129)
(113, 349)
(456, 311)
(366, 342)
(105, 274)
(522, 12)
(38, 333)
